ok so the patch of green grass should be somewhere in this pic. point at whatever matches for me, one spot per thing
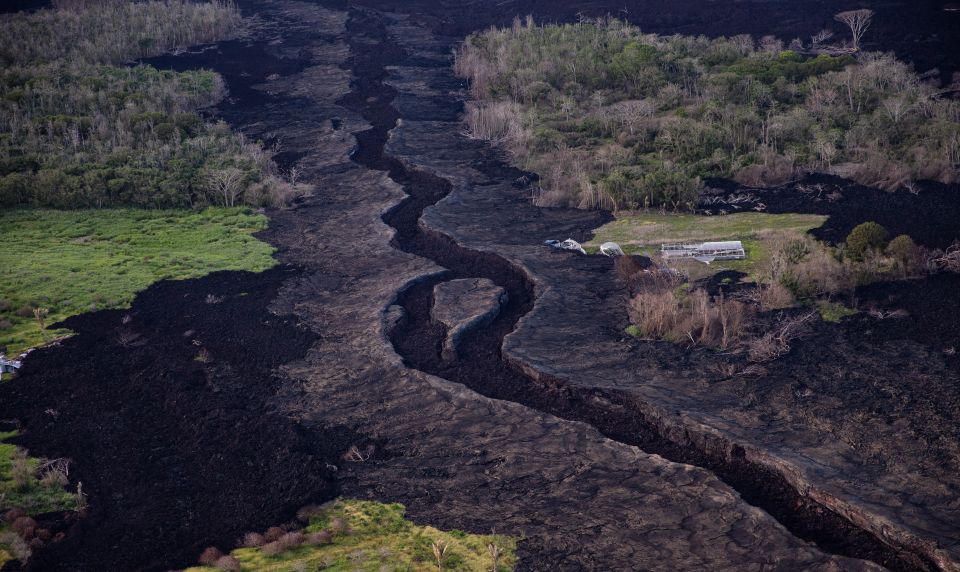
(378, 537)
(644, 233)
(36, 497)
(70, 262)
(32, 494)
(833, 312)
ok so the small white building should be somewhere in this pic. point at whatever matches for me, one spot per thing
(705, 252)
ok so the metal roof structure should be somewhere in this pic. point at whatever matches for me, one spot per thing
(705, 252)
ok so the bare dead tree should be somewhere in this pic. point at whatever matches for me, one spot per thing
(896, 107)
(820, 37)
(226, 185)
(55, 472)
(776, 343)
(950, 260)
(858, 21)
(355, 455)
(294, 175)
(127, 337)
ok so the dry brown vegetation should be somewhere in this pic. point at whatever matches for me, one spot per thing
(763, 321)
(696, 317)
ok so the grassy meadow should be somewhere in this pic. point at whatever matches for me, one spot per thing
(70, 262)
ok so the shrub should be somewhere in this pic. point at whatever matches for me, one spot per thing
(321, 537)
(210, 556)
(55, 475)
(22, 471)
(228, 563)
(271, 548)
(16, 546)
(13, 514)
(305, 514)
(273, 534)
(291, 540)
(774, 296)
(338, 526)
(775, 342)
(864, 237)
(806, 267)
(715, 323)
(253, 540)
(24, 526)
(902, 247)
(627, 266)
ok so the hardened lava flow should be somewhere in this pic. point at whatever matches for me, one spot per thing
(482, 367)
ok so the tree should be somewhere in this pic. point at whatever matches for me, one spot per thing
(901, 247)
(225, 185)
(858, 21)
(865, 237)
(896, 107)
(909, 257)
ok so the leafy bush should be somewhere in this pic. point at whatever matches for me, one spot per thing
(902, 247)
(865, 237)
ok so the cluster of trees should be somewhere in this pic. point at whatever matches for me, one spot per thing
(616, 118)
(77, 130)
(111, 31)
(809, 270)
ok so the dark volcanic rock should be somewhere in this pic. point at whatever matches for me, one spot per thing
(462, 305)
(178, 454)
(862, 477)
(175, 453)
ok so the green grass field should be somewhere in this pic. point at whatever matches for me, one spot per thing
(379, 538)
(644, 233)
(70, 262)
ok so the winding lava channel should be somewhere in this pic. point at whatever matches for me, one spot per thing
(481, 365)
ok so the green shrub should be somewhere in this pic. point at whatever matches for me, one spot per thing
(864, 237)
(901, 247)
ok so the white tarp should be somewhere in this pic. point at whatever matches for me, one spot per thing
(568, 244)
(611, 249)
